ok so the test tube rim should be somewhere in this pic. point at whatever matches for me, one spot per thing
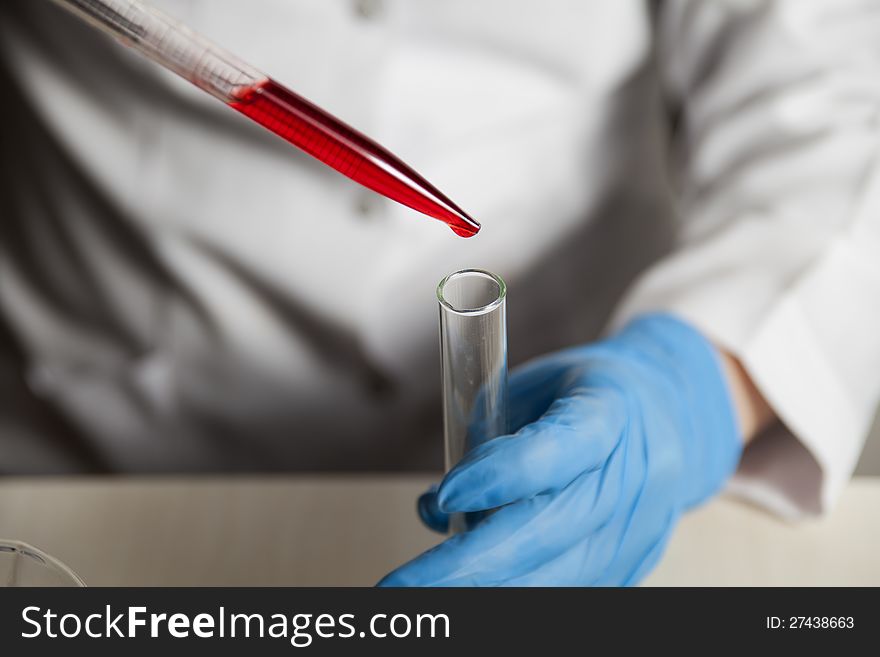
(470, 312)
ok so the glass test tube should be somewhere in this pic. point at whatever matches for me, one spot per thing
(473, 352)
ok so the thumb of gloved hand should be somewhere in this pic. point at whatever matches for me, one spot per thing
(430, 513)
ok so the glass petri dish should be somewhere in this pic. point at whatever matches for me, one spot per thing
(24, 565)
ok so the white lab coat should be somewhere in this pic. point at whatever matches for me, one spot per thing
(182, 290)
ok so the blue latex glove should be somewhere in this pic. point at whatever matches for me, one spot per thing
(617, 439)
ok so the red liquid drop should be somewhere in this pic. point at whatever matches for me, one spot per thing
(351, 153)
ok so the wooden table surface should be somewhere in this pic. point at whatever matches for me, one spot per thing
(350, 530)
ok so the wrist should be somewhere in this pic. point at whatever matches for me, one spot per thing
(752, 410)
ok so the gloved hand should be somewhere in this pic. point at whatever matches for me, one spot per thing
(617, 439)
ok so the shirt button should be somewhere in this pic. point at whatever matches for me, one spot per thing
(368, 8)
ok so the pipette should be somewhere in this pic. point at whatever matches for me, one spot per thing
(287, 114)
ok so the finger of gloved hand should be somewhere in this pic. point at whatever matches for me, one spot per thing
(650, 559)
(532, 387)
(593, 562)
(575, 435)
(575, 567)
(515, 540)
(466, 559)
(430, 513)
(604, 558)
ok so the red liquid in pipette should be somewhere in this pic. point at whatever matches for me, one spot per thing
(353, 154)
